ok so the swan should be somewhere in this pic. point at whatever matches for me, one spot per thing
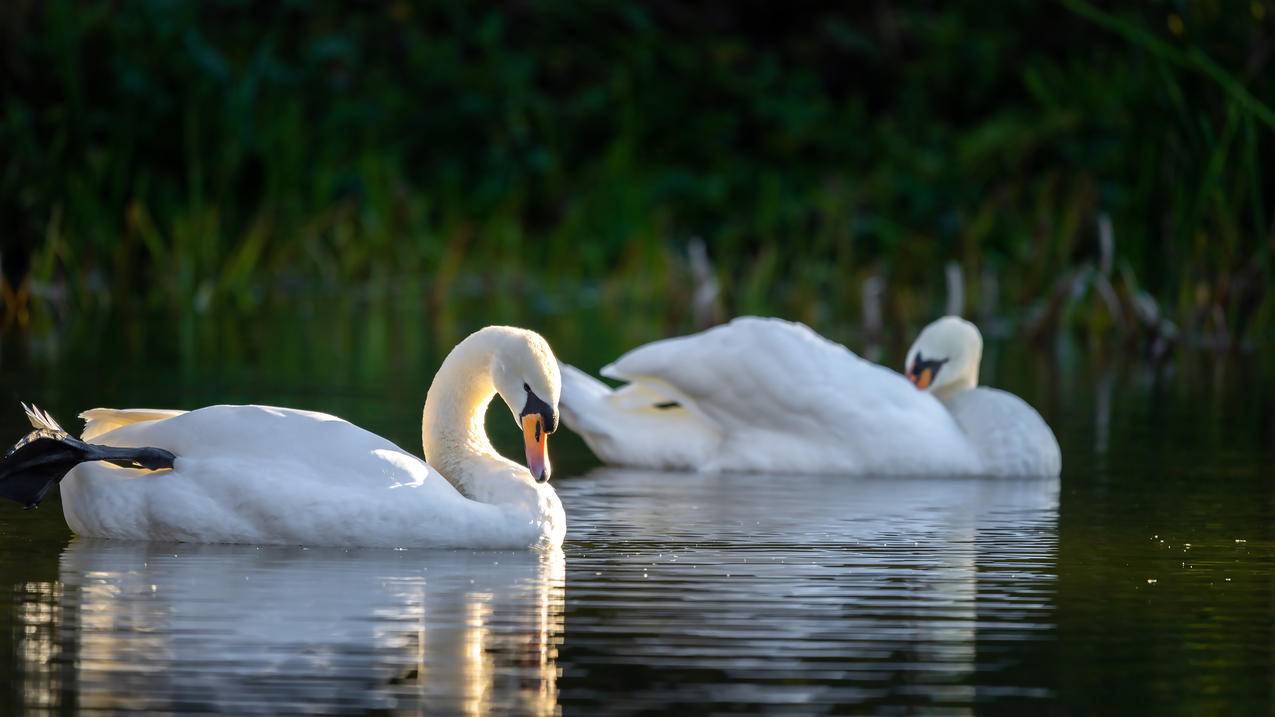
(768, 395)
(266, 475)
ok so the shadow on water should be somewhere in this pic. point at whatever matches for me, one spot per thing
(248, 630)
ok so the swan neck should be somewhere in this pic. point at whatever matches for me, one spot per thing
(963, 382)
(453, 429)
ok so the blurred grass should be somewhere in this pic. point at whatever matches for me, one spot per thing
(182, 157)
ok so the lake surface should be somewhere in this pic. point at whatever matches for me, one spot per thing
(1142, 581)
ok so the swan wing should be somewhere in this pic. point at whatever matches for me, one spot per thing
(100, 421)
(1011, 438)
(785, 398)
(644, 423)
(760, 370)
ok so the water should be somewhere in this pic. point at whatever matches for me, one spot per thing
(808, 593)
(1142, 581)
(190, 629)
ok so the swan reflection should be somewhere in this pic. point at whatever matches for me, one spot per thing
(271, 630)
(800, 509)
(825, 588)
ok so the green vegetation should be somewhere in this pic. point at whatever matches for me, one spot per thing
(187, 156)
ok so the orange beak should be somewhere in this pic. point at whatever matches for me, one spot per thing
(537, 443)
(921, 380)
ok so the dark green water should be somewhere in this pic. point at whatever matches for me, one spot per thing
(1141, 582)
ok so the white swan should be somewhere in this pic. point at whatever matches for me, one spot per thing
(770, 395)
(264, 475)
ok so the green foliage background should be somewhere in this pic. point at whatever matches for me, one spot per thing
(176, 154)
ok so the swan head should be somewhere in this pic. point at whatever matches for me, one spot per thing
(945, 357)
(526, 376)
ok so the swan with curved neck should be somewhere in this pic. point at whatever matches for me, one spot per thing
(767, 395)
(266, 475)
(514, 364)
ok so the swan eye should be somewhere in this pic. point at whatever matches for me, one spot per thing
(526, 388)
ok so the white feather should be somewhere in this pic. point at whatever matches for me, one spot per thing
(770, 395)
(100, 421)
(41, 420)
(264, 475)
(1011, 437)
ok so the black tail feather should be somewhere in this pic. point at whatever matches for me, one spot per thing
(41, 459)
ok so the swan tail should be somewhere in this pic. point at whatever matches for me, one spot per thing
(43, 457)
(41, 420)
(640, 424)
(100, 421)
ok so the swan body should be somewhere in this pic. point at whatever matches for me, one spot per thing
(767, 395)
(1011, 437)
(265, 475)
